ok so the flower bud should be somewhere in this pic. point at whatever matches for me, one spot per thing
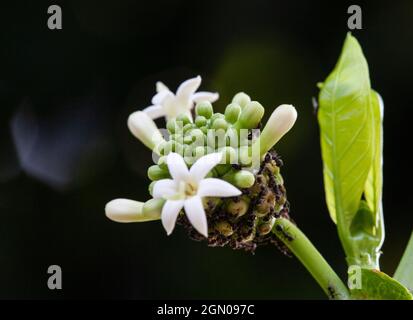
(125, 210)
(216, 115)
(155, 172)
(219, 124)
(187, 139)
(280, 122)
(232, 112)
(242, 99)
(172, 146)
(150, 188)
(162, 163)
(230, 155)
(200, 121)
(184, 118)
(187, 127)
(196, 134)
(250, 116)
(152, 208)
(145, 129)
(204, 109)
(240, 178)
(216, 138)
(172, 126)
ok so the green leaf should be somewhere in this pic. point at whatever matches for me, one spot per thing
(376, 285)
(350, 118)
(404, 272)
(346, 132)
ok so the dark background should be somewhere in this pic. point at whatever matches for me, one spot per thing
(65, 149)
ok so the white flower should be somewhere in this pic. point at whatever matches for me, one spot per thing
(187, 188)
(170, 105)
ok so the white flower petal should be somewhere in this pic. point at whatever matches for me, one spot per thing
(155, 111)
(195, 212)
(212, 187)
(164, 188)
(203, 165)
(205, 96)
(161, 96)
(160, 86)
(188, 88)
(170, 213)
(124, 210)
(143, 128)
(177, 167)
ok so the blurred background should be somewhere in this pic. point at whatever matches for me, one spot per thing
(65, 149)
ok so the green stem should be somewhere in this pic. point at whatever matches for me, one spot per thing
(309, 256)
(404, 272)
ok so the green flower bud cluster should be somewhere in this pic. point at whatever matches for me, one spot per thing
(242, 222)
(229, 133)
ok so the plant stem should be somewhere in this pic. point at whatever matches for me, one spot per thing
(404, 272)
(309, 256)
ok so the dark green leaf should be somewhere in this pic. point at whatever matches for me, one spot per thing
(350, 118)
(346, 132)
